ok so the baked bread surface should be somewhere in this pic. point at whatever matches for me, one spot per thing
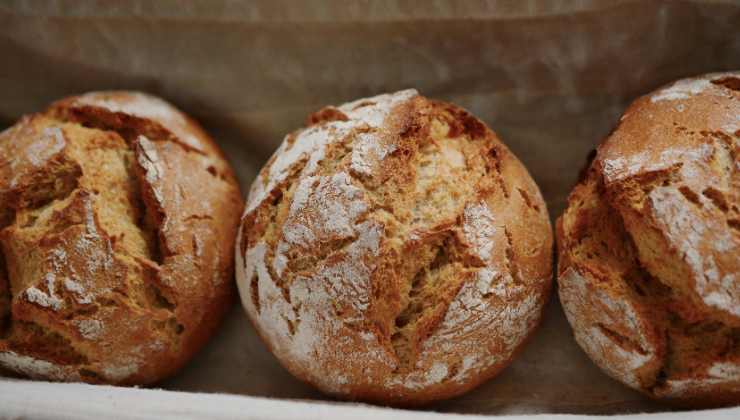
(394, 251)
(649, 246)
(118, 216)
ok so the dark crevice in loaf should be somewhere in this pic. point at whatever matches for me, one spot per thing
(172, 328)
(729, 82)
(144, 200)
(402, 335)
(282, 282)
(639, 279)
(218, 174)
(254, 293)
(426, 301)
(659, 382)
(300, 261)
(44, 192)
(175, 326)
(38, 342)
(127, 126)
(268, 212)
(689, 341)
(511, 264)
(528, 200)
(639, 187)
(324, 115)
(262, 221)
(291, 325)
(151, 218)
(734, 224)
(726, 142)
(420, 280)
(157, 299)
(622, 340)
(453, 369)
(690, 195)
(146, 224)
(460, 121)
(495, 157)
(717, 198)
(268, 233)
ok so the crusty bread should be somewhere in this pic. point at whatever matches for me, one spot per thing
(649, 246)
(394, 251)
(117, 220)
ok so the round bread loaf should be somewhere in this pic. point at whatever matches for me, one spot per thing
(117, 223)
(394, 251)
(649, 268)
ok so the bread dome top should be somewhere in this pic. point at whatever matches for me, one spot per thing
(117, 219)
(394, 250)
(649, 267)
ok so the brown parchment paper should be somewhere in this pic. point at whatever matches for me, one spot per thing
(551, 77)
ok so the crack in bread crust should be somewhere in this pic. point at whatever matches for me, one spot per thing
(648, 229)
(429, 294)
(133, 114)
(370, 238)
(92, 261)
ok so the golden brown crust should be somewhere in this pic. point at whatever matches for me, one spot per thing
(394, 251)
(649, 272)
(118, 218)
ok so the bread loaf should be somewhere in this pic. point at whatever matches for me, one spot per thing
(649, 268)
(117, 220)
(394, 251)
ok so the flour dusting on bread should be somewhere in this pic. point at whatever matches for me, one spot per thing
(648, 269)
(371, 262)
(118, 273)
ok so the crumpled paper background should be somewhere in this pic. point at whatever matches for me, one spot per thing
(551, 78)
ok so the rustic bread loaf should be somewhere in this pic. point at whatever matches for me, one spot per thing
(394, 251)
(117, 223)
(649, 268)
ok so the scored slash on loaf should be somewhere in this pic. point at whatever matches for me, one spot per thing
(394, 251)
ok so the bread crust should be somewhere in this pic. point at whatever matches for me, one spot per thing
(394, 251)
(649, 246)
(118, 215)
